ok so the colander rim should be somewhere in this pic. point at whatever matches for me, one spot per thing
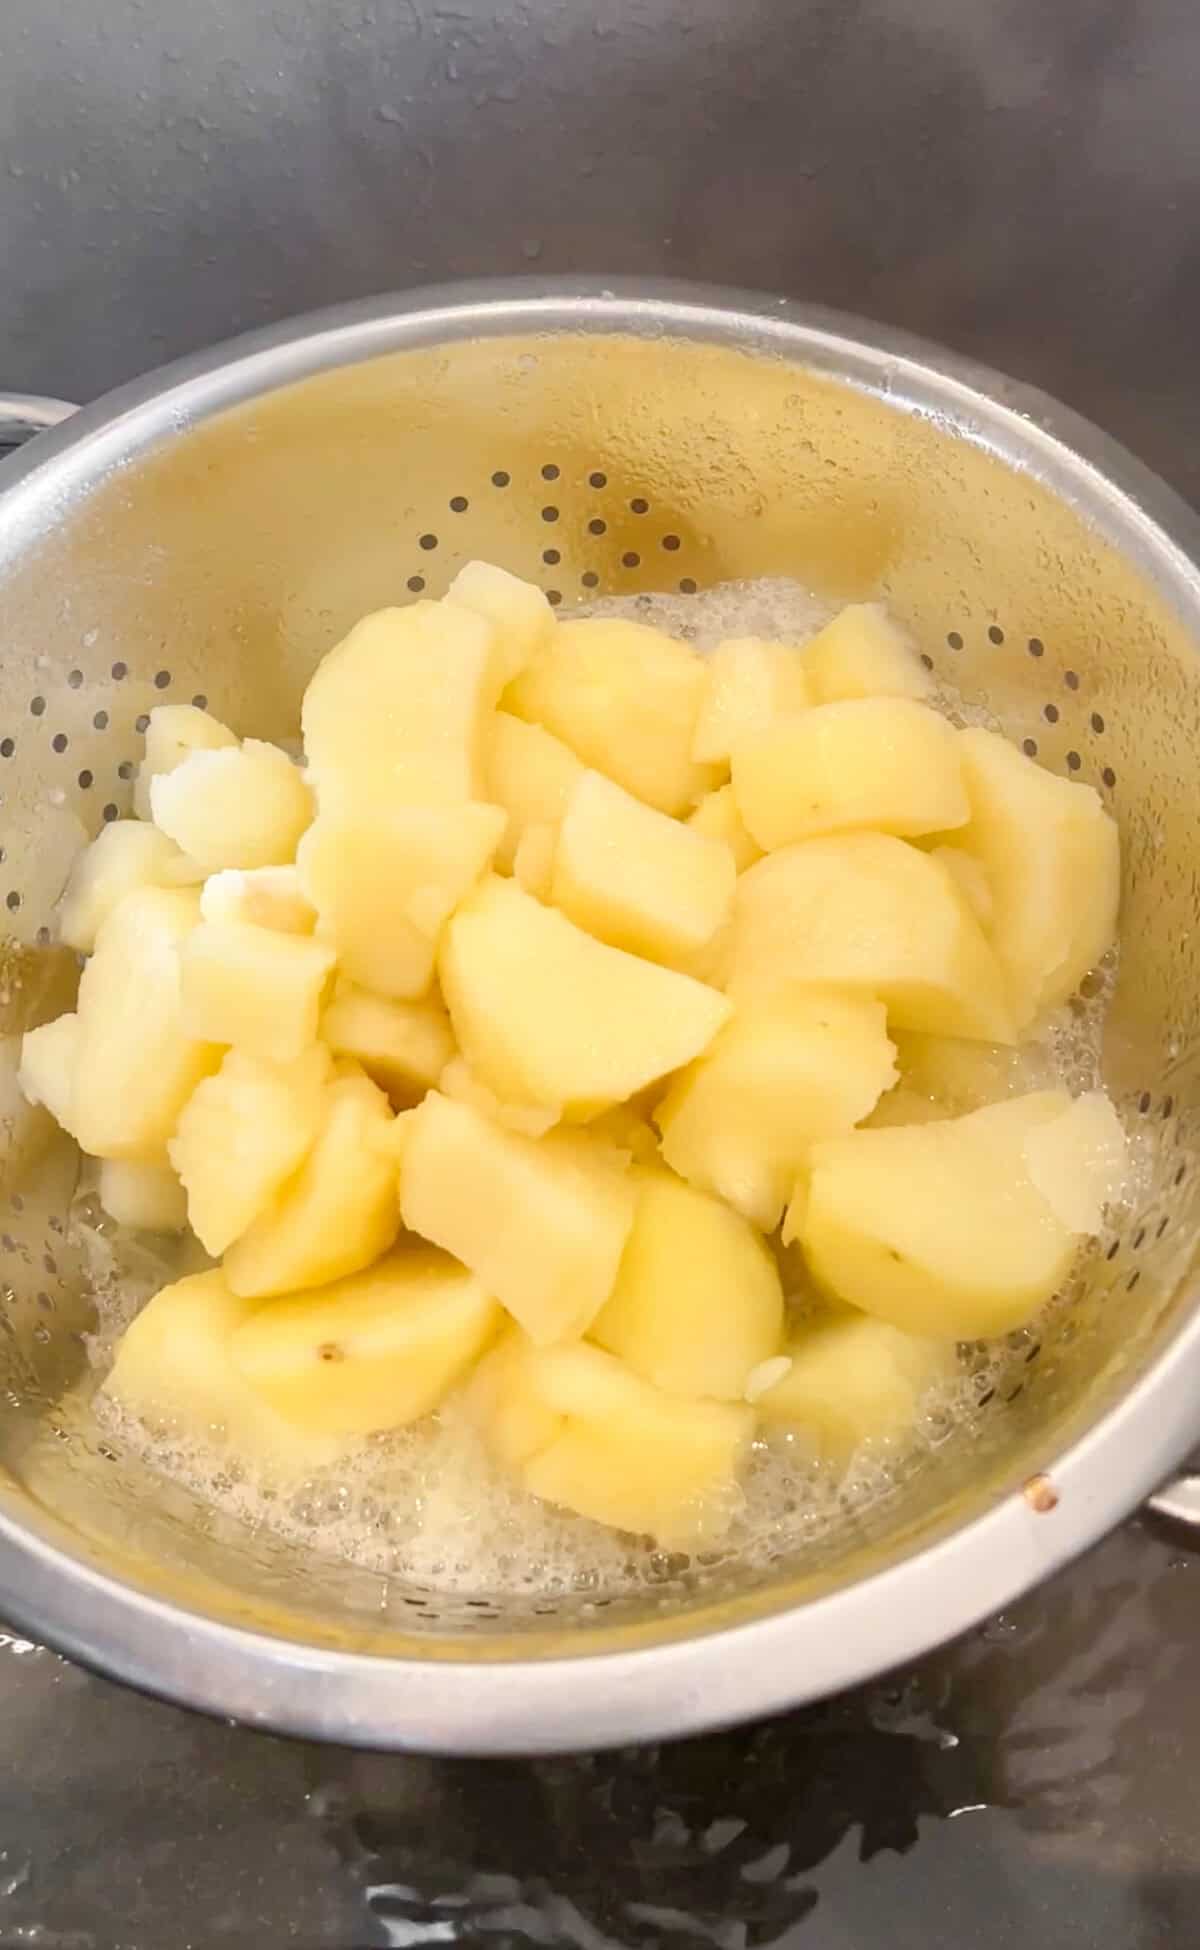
(742, 1671)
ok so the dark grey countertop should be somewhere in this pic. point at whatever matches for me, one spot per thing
(1034, 1785)
(1018, 179)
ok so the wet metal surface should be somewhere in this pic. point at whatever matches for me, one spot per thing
(1016, 179)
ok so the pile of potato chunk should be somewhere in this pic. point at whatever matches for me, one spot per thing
(507, 1044)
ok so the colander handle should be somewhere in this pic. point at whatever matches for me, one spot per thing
(1179, 1500)
(22, 415)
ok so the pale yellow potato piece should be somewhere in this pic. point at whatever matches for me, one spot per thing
(545, 1014)
(713, 963)
(697, 1304)
(173, 733)
(795, 1066)
(862, 653)
(717, 816)
(138, 1058)
(254, 987)
(626, 699)
(124, 855)
(533, 861)
(872, 764)
(242, 807)
(46, 1070)
(529, 773)
(402, 1046)
(396, 713)
(374, 1351)
(636, 879)
(872, 914)
(751, 682)
(458, 1080)
(633, 1457)
(337, 1213)
(543, 1222)
(629, 1130)
(385, 882)
(1052, 858)
(241, 1134)
(173, 1373)
(971, 880)
(941, 1229)
(853, 1380)
(148, 1196)
(501, 1401)
(267, 897)
(1080, 1162)
(518, 611)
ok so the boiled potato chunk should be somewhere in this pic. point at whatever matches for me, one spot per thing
(337, 1213)
(1080, 1162)
(717, 816)
(533, 861)
(636, 879)
(502, 1402)
(374, 1351)
(46, 1071)
(1050, 852)
(862, 653)
(267, 897)
(254, 987)
(697, 1304)
(530, 774)
(971, 880)
(173, 733)
(869, 913)
(242, 807)
(139, 1058)
(872, 764)
(173, 1372)
(402, 1046)
(944, 1229)
(123, 855)
(626, 699)
(751, 683)
(795, 1066)
(384, 883)
(243, 1132)
(396, 713)
(542, 1222)
(633, 1457)
(518, 611)
(144, 1195)
(853, 1380)
(459, 1081)
(629, 1130)
(545, 1014)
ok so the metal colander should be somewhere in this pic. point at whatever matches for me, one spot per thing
(205, 537)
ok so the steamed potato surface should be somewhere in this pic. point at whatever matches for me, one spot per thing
(489, 1048)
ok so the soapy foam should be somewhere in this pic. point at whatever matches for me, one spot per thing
(425, 1505)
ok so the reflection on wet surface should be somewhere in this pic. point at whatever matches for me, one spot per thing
(1028, 1786)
